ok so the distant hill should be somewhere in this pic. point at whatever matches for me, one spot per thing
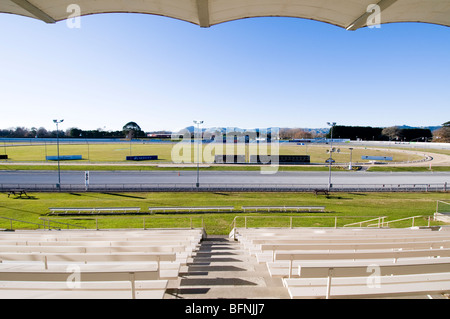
(324, 130)
(431, 128)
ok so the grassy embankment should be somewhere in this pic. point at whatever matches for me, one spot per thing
(349, 207)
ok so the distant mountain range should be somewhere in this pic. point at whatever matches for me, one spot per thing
(315, 130)
(431, 128)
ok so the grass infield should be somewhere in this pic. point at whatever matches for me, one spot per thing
(349, 207)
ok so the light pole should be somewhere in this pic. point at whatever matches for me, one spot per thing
(58, 186)
(198, 150)
(332, 125)
(350, 166)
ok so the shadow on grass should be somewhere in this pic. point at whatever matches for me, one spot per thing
(25, 198)
(124, 195)
(21, 210)
(338, 197)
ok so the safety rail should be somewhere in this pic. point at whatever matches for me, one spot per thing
(146, 220)
(20, 221)
(434, 187)
(56, 222)
(233, 224)
(413, 218)
(380, 222)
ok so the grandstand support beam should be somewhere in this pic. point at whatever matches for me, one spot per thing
(362, 20)
(203, 13)
(31, 8)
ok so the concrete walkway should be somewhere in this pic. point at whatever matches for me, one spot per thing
(221, 269)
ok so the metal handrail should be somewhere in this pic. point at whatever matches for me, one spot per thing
(53, 221)
(21, 221)
(96, 218)
(380, 222)
(233, 223)
(406, 218)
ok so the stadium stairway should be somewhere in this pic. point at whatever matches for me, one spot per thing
(223, 269)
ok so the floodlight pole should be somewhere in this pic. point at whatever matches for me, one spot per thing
(350, 166)
(198, 151)
(332, 125)
(58, 186)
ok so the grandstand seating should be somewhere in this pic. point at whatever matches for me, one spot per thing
(339, 262)
(93, 264)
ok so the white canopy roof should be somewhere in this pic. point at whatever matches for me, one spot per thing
(349, 14)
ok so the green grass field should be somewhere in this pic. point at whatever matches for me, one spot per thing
(117, 152)
(349, 207)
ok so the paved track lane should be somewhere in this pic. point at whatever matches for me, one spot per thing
(222, 177)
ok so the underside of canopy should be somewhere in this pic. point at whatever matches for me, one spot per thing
(348, 14)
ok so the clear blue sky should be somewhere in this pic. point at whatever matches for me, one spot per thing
(163, 73)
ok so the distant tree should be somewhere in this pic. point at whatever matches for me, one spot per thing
(131, 129)
(294, 133)
(392, 132)
(354, 132)
(75, 133)
(442, 135)
(33, 132)
(21, 132)
(42, 132)
(416, 134)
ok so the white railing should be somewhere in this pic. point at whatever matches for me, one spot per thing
(435, 187)
(379, 219)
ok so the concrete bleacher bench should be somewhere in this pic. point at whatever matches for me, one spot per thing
(319, 267)
(154, 289)
(47, 258)
(253, 239)
(344, 276)
(285, 208)
(64, 280)
(112, 263)
(268, 252)
(191, 209)
(93, 211)
(360, 287)
(339, 263)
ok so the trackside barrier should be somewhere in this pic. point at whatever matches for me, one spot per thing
(206, 187)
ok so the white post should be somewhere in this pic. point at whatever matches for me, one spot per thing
(133, 286)
(290, 266)
(330, 274)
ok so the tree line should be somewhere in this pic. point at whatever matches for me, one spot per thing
(129, 130)
(393, 133)
(133, 130)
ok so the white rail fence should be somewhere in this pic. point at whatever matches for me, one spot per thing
(433, 187)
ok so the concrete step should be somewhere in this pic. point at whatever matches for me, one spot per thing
(221, 268)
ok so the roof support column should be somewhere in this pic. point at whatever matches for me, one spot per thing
(362, 20)
(31, 8)
(203, 13)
